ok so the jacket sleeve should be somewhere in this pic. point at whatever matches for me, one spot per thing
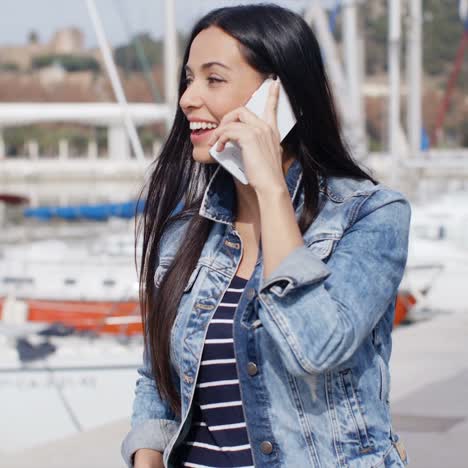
(319, 314)
(153, 423)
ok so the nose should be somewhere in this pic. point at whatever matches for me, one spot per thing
(190, 98)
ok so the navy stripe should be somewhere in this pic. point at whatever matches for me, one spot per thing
(223, 372)
(219, 417)
(216, 352)
(206, 457)
(233, 437)
(218, 394)
(218, 436)
(224, 313)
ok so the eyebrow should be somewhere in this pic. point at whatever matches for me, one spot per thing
(208, 65)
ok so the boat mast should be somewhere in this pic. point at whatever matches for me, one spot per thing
(394, 37)
(353, 51)
(170, 59)
(414, 64)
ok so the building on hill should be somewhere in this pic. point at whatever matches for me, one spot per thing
(20, 56)
(67, 41)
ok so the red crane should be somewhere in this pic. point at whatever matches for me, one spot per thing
(443, 107)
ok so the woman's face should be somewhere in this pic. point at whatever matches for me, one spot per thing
(218, 81)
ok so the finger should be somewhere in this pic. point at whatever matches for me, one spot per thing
(222, 135)
(271, 106)
(231, 135)
(231, 116)
(242, 114)
(236, 132)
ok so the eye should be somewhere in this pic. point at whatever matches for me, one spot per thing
(214, 80)
(211, 80)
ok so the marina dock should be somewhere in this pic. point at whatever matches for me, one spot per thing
(429, 369)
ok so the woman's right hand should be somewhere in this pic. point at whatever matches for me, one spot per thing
(148, 458)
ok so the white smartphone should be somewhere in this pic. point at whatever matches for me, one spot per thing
(231, 156)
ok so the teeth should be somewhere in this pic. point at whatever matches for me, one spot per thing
(203, 125)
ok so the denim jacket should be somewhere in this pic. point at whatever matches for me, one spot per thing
(317, 331)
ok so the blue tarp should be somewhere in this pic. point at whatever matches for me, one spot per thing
(99, 212)
(333, 16)
(425, 140)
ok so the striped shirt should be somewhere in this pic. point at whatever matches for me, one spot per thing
(218, 435)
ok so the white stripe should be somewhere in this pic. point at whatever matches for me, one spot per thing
(222, 321)
(221, 405)
(217, 383)
(223, 427)
(219, 340)
(211, 362)
(235, 289)
(228, 304)
(196, 465)
(235, 448)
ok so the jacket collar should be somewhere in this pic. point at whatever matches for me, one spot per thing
(219, 200)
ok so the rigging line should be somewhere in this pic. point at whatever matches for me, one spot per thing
(115, 80)
(143, 59)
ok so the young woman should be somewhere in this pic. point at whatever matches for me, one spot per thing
(267, 307)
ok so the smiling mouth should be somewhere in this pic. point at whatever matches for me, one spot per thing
(200, 131)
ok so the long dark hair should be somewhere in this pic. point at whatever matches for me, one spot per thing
(273, 40)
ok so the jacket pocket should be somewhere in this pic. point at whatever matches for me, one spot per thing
(164, 266)
(161, 270)
(180, 321)
(354, 409)
(186, 297)
(321, 247)
(192, 278)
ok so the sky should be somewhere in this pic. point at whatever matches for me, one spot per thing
(19, 17)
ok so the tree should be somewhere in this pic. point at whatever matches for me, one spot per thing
(442, 30)
(70, 63)
(9, 66)
(128, 57)
(143, 50)
(33, 37)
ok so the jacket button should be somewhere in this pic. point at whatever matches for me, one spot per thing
(250, 293)
(266, 447)
(252, 368)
